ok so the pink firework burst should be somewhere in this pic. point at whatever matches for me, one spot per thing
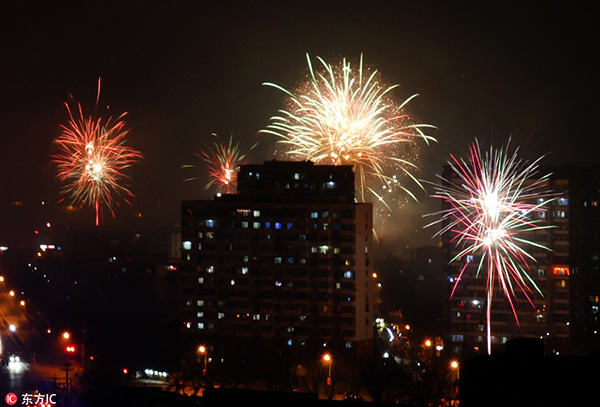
(490, 210)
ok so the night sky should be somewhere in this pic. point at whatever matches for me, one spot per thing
(184, 70)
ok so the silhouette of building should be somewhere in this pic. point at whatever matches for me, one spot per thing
(281, 268)
(522, 375)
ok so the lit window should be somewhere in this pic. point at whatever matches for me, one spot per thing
(290, 225)
(256, 213)
(187, 245)
(277, 225)
(348, 274)
(209, 223)
(561, 271)
(314, 215)
(323, 249)
(256, 225)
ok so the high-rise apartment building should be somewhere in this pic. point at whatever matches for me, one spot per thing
(282, 266)
(565, 314)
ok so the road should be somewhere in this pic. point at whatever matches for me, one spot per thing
(37, 362)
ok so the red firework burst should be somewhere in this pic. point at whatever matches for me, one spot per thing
(92, 160)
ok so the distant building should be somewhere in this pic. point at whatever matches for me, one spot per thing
(281, 267)
(566, 315)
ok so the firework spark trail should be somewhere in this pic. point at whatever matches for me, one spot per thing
(92, 160)
(495, 200)
(342, 116)
(223, 161)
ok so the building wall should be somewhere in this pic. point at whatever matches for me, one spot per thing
(286, 275)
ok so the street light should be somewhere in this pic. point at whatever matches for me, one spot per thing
(454, 365)
(202, 350)
(327, 358)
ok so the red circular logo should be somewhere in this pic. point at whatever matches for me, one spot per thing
(11, 399)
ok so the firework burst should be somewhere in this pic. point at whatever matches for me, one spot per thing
(347, 116)
(490, 209)
(92, 160)
(223, 161)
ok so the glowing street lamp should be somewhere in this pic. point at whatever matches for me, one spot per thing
(203, 351)
(327, 358)
(454, 365)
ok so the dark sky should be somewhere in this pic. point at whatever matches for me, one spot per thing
(184, 70)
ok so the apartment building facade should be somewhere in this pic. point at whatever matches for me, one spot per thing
(281, 267)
